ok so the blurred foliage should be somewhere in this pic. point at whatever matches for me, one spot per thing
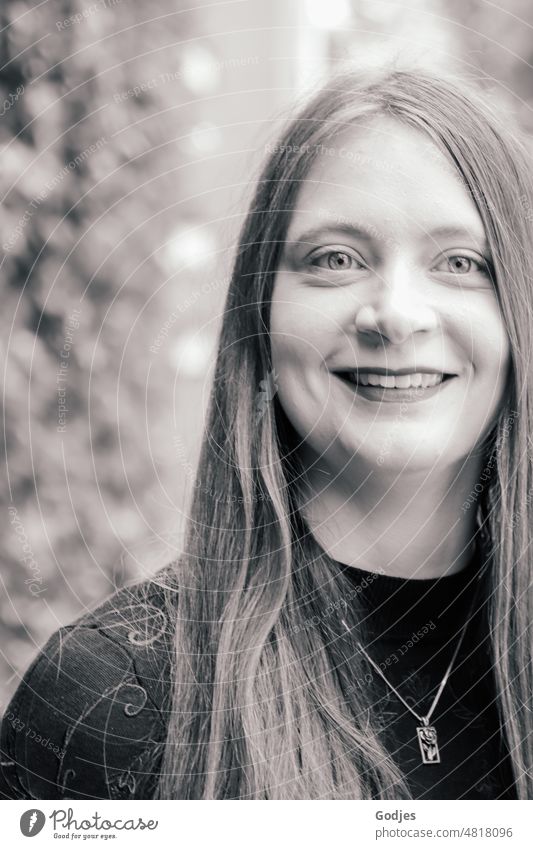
(86, 173)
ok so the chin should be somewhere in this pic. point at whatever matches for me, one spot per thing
(401, 465)
(382, 456)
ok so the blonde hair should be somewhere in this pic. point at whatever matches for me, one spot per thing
(259, 706)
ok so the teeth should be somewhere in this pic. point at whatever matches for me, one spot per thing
(401, 381)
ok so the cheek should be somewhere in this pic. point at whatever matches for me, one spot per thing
(300, 317)
(320, 316)
(489, 344)
(485, 344)
(301, 341)
(298, 364)
(301, 335)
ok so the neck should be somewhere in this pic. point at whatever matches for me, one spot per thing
(409, 525)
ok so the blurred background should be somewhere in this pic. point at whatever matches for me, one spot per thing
(130, 136)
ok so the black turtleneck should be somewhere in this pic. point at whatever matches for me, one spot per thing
(410, 630)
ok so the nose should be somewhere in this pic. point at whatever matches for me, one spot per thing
(397, 309)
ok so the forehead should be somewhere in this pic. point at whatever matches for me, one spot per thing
(391, 175)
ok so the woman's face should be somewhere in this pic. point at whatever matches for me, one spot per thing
(387, 340)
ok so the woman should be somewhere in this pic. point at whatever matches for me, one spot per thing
(350, 616)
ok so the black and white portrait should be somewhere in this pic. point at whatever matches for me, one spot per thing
(267, 329)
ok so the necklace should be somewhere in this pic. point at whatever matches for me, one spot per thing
(426, 733)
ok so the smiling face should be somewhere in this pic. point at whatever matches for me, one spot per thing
(387, 341)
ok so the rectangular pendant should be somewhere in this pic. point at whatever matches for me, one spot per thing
(427, 738)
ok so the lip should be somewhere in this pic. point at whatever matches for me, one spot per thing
(414, 394)
(392, 372)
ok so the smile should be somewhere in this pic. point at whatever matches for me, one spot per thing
(407, 386)
(394, 381)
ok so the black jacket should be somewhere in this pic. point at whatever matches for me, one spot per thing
(88, 720)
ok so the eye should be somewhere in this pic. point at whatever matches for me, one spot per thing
(335, 260)
(462, 264)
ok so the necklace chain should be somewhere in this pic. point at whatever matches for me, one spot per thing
(423, 719)
(427, 735)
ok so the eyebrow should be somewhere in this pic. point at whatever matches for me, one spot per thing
(359, 231)
(460, 233)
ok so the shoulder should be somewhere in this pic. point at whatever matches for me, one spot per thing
(88, 719)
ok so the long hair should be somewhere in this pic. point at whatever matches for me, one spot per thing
(268, 697)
